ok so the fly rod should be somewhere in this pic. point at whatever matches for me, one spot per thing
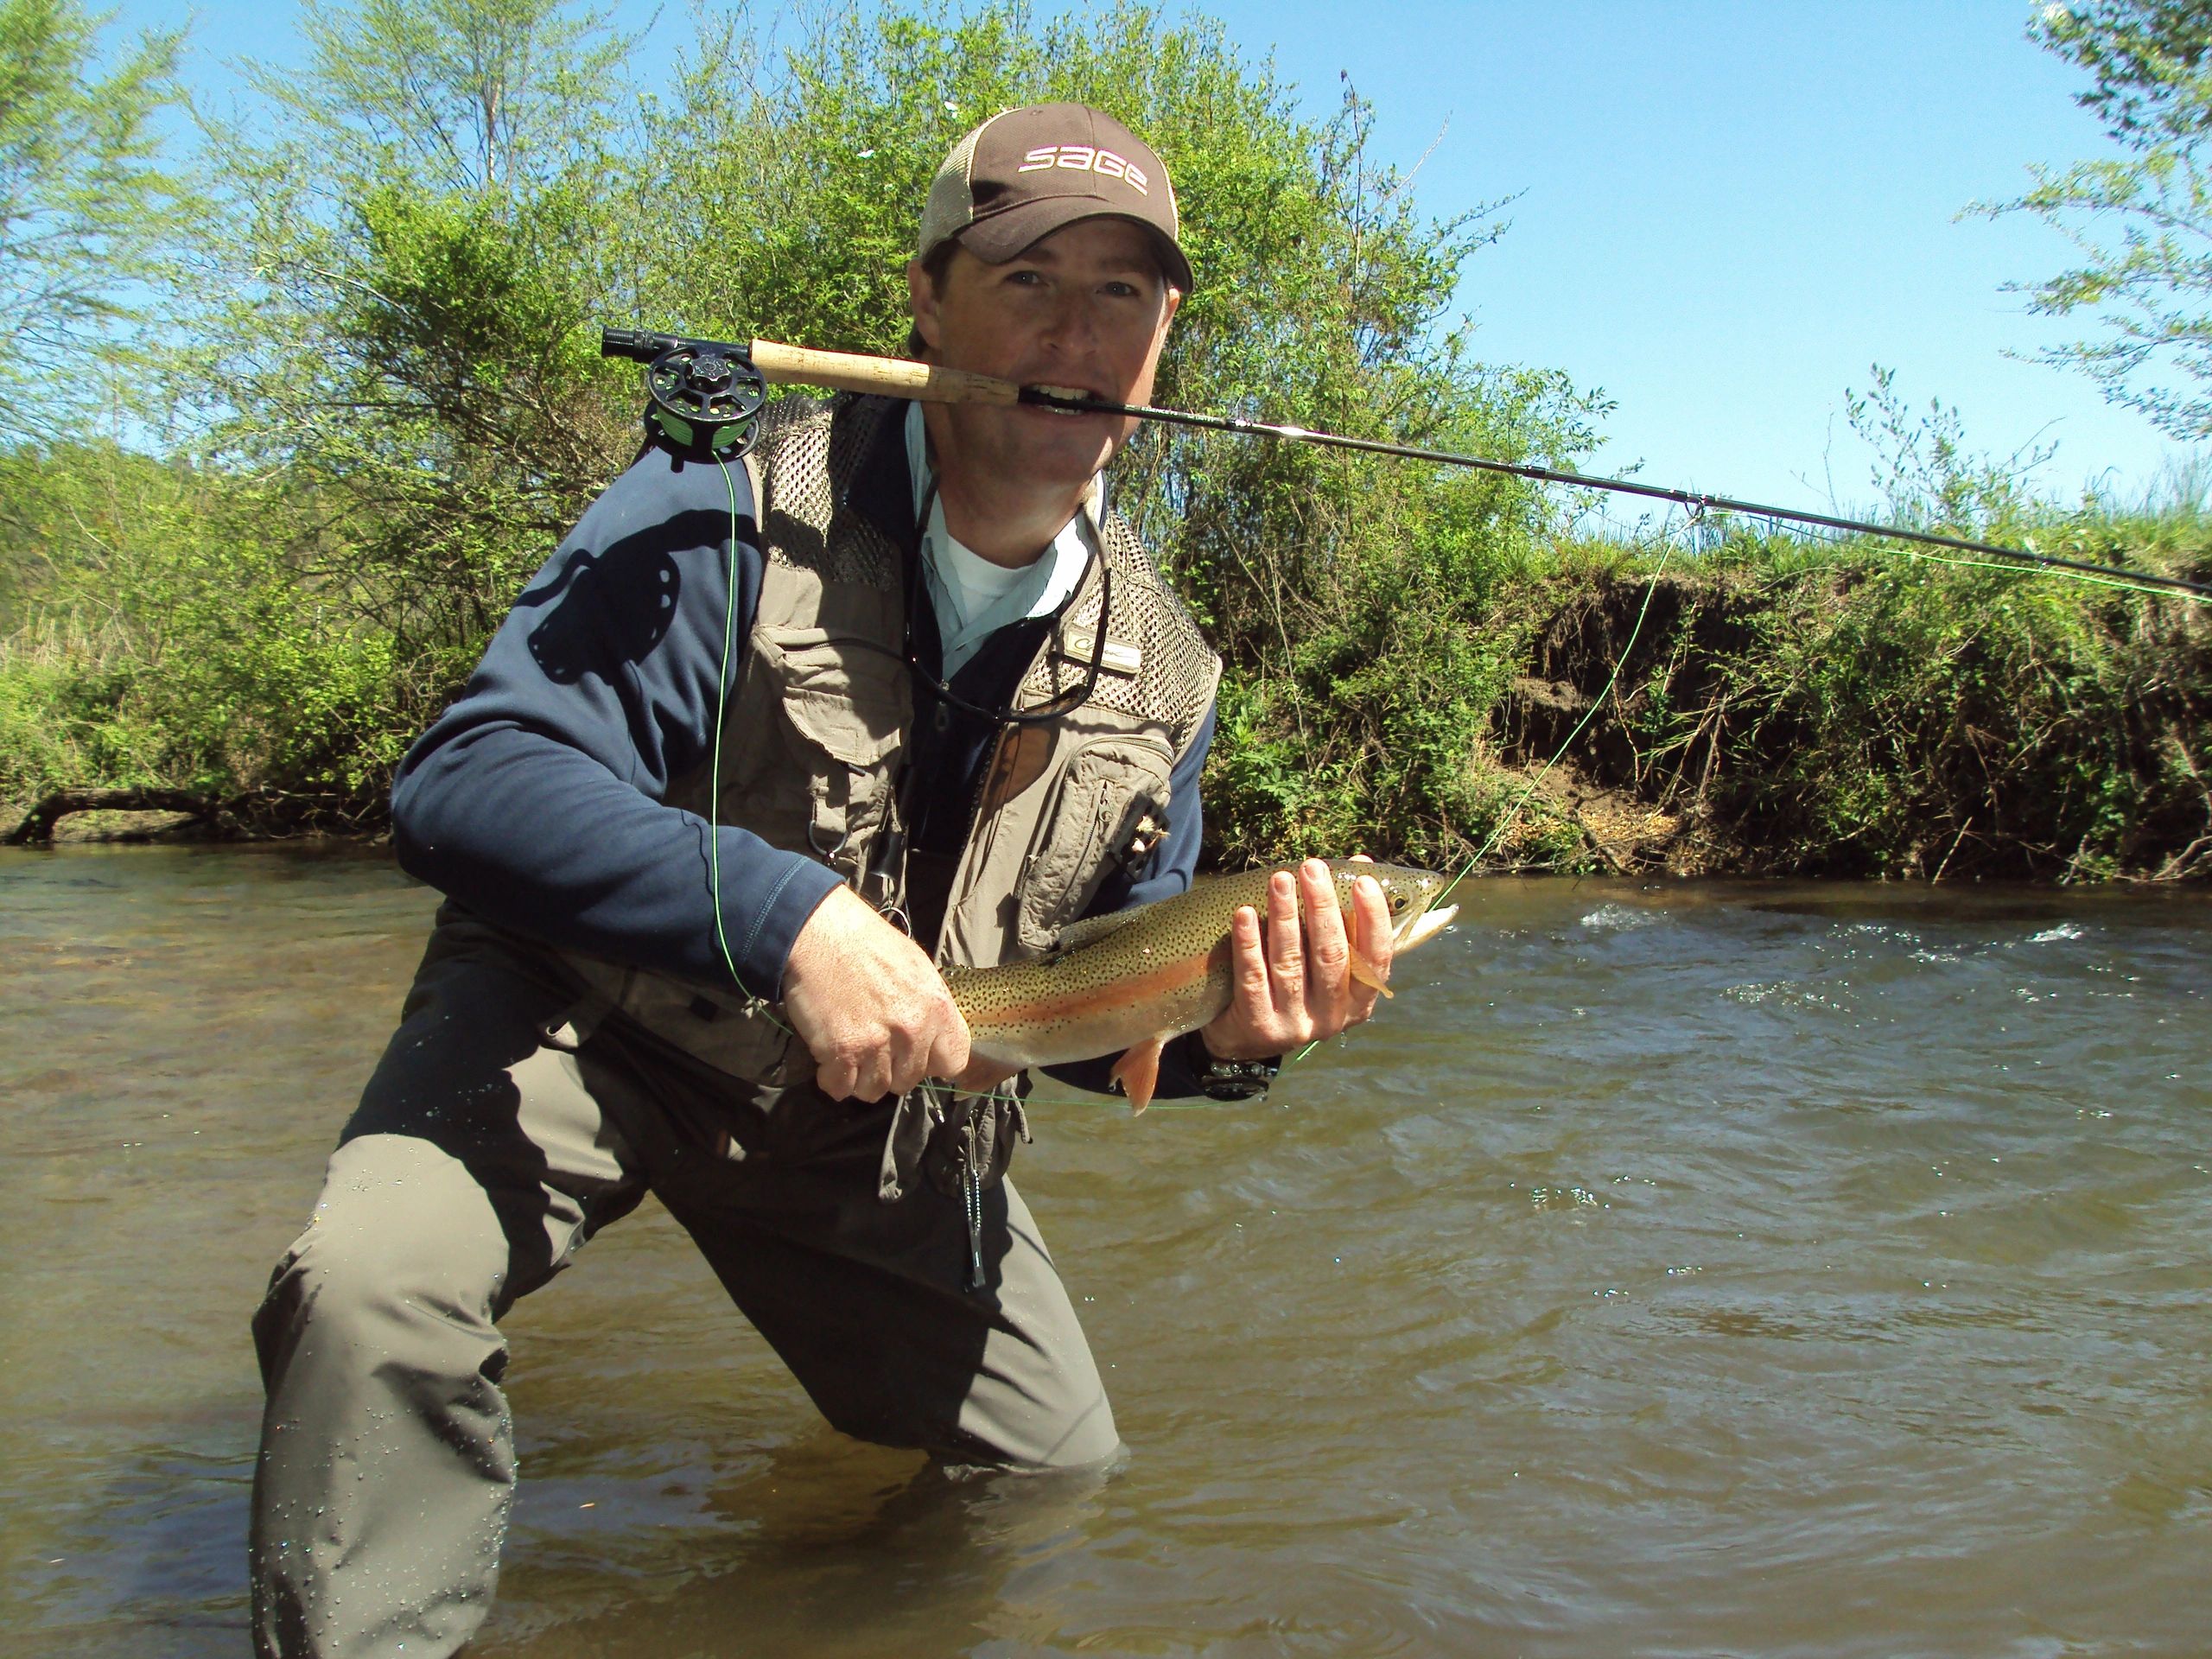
(708, 392)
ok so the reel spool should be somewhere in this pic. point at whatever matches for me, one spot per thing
(702, 394)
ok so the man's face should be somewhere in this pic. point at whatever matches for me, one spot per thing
(1083, 310)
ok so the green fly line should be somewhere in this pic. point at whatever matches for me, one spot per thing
(721, 714)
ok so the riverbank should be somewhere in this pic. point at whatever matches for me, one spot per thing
(1777, 712)
(1765, 707)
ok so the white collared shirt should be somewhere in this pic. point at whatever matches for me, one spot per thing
(974, 598)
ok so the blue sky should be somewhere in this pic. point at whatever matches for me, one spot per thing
(1725, 212)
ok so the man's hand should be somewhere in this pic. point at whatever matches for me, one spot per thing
(1296, 987)
(869, 1006)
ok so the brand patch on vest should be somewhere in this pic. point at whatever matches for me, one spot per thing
(1076, 645)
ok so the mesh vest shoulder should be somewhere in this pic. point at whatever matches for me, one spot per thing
(818, 718)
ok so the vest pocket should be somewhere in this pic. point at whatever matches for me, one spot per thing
(716, 1025)
(1105, 790)
(846, 704)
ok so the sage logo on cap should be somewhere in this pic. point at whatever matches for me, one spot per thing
(1077, 157)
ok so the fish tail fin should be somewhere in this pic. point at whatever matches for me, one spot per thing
(1366, 973)
(1138, 1073)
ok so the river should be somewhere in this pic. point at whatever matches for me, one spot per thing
(1775, 1269)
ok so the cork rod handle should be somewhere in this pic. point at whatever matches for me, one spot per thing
(894, 376)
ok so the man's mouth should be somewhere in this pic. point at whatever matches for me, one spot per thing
(1073, 394)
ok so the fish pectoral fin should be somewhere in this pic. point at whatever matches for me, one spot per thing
(1138, 1073)
(1366, 973)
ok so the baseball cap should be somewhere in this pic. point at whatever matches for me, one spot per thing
(1025, 172)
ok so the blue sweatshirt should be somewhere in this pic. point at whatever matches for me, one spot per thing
(535, 799)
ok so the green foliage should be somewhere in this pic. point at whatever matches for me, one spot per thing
(1928, 476)
(2150, 286)
(165, 635)
(1858, 711)
(460, 97)
(2152, 59)
(87, 215)
(1961, 716)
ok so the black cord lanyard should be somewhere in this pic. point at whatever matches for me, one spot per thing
(1067, 702)
(881, 877)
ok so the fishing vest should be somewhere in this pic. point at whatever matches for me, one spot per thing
(814, 730)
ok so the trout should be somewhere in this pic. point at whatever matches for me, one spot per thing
(1128, 982)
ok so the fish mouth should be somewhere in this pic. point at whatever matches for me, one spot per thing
(1419, 930)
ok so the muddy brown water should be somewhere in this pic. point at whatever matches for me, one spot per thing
(1687, 1270)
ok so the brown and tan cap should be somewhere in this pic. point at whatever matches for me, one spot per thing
(1023, 174)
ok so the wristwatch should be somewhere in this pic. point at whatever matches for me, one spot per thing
(1220, 1079)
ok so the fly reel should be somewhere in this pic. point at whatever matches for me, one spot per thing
(701, 395)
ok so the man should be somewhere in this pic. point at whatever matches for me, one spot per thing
(762, 745)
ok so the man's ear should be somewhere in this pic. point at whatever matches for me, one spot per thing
(921, 301)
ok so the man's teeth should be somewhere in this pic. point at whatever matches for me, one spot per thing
(1073, 394)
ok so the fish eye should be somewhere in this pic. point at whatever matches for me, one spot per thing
(1397, 901)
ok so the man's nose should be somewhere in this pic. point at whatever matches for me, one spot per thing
(1072, 327)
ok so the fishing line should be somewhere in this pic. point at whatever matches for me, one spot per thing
(1620, 661)
(1505, 821)
(2154, 586)
(721, 716)
(2125, 585)
(1497, 830)
(1696, 501)
(759, 1005)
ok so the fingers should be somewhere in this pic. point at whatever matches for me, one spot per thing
(948, 1052)
(1334, 997)
(1371, 924)
(1241, 1030)
(1247, 959)
(873, 1060)
(1286, 944)
(1295, 986)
